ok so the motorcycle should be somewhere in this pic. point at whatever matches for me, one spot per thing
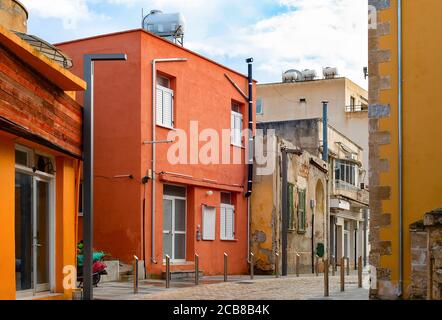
(98, 266)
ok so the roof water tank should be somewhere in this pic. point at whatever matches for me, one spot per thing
(164, 24)
(291, 75)
(329, 73)
(308, 74)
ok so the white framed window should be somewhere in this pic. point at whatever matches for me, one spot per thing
(164, 106)
(209, 222)
(227, 219)
(236, 127)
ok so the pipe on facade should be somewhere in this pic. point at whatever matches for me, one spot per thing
(250, 150)
(400, 151)
(153, 193)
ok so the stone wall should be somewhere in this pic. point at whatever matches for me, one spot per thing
(426, 257)
(433, 226)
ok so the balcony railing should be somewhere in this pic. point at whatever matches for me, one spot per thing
(356, 108)
(351, 191)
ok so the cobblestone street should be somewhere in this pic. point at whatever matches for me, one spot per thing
(240, 288)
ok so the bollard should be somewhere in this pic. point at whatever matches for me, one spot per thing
(197, 269)
(348, 266)
(167, 271)
(430, 279)
(135, 274)
(326, 283)
(251, 265)
(360, 272)
(317, 266)
(225, 267)
(342, 274)
(297, 264)
(333, 265)
(276, 264)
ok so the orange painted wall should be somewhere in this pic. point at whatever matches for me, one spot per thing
(123, 122)
(7, 218)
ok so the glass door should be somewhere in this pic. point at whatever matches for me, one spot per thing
(41, 234)
(174, 228)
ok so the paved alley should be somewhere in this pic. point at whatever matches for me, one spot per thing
(306, 287)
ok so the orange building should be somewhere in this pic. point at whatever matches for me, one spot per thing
(197, 206)
(40, 158)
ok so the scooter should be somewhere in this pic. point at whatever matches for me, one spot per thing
(98, 266)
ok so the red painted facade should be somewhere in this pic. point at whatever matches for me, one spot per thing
(123, 122)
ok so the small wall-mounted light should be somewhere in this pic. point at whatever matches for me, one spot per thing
(209, 193)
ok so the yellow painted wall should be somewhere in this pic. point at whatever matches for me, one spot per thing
(422, 112)
(7, 216)
(66, 215)
(67, 174)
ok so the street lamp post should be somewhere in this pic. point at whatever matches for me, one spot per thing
(88, 166)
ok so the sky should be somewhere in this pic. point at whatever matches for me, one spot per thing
(278, 34)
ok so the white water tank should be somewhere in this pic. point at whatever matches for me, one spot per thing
(164, 24)
(329, 73)
(291, 75)
(308, 74)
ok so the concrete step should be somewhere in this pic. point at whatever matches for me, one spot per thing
(182, 274)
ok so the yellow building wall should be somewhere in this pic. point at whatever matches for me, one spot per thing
(67, 177)
(7, 218)
(422, 96)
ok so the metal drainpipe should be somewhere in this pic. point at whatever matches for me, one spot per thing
(325, 157)
(154, 150)
(400, 132)
(250, 153)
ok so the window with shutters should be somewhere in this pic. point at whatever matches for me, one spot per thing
(164, 102)
(236, 125)
(302, 211)
(227, 219)
(291, 206)
(209, 221)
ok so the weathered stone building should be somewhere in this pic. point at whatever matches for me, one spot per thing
(347, 223)
(306, 187)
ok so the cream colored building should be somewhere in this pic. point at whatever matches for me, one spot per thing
(347, 112)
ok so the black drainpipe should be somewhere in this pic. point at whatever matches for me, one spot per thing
(250, 142)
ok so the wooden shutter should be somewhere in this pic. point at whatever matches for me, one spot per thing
(301, 211)
(236, 127)
(291, 207)
(209, 221)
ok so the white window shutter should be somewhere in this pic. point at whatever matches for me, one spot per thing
(227, 219)
(168, 108)
(209, 221)
(230, 224)
(232, 126)
(159, 106)
(223, 223)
